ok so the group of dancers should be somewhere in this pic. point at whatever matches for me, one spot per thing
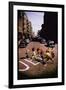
(40, 56)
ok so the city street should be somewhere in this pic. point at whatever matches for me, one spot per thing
(29, 68)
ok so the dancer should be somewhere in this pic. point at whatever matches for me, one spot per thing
(34, 54)
(49, 55)
(42, 57)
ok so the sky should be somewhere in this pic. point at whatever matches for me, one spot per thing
(36, 19)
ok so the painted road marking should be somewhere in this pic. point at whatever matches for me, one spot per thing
(27, 67)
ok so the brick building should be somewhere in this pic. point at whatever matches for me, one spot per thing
(24, 27)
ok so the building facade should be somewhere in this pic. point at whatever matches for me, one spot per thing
(24, 27)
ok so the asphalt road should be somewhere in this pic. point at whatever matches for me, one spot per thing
(34, 69)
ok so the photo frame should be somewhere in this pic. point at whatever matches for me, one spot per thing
(36, 44)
